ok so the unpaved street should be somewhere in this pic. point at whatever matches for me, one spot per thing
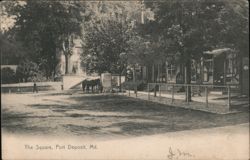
(101, 116)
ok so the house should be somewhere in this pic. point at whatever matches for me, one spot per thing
(220, 66)
(13, 67)
(74, 61)
(76, 72)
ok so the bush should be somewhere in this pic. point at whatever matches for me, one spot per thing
(29, 71)
(8, 76)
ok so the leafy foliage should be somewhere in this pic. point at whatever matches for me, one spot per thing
(188, 28)
(44, 27)
(113, 37)
(106, 47)
(109, 35)
(29, 71)
(192, 27)
(8, 75)
(11, 50)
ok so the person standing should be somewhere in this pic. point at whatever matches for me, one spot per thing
(35, 88)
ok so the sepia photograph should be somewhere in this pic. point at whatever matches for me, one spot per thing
(124, 79)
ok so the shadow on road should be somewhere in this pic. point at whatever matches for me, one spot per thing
(111, 116)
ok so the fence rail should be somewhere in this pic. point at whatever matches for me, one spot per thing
(206, 95)
(28, 87)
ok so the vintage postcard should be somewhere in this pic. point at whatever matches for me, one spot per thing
(110, 80)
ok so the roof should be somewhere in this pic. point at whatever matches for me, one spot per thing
(14, 67)
(218, 51)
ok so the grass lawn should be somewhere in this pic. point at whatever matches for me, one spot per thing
(102, 116)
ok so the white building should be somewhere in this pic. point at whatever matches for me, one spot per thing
(74, 62)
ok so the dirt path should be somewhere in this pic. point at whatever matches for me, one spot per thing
(99, 116)
(65, 126)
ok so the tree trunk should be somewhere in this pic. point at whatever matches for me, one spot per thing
(240, 74)
(134, 80)
(147, 74)
(202, 71)
(158, 73)
(225, 72)
(166, 72)
(153, 73)
(47, 73)
(188, 79)
(162, 68)
(126, 74)
(120, 82)
(66, 64)
(54, 67)
(141, 75)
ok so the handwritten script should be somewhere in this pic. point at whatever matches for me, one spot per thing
(174, 154)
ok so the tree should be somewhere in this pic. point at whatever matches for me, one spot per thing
(9, 46)
(190, 28)
(234, 20)
(8, 75)
(108, 35)
(105, 47)
(7, 15)
(27, 71)
(9, 50)
(46, 28)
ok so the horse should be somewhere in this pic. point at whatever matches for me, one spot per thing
(95, 83)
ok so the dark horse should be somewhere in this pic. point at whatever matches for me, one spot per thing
(93, 84)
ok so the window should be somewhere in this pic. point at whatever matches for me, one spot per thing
(171, 72)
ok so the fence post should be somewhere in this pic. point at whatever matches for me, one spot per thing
(155, 90)
(166, 90)
(160, 90)
(187, 95)
(19, 88)
(148, 92)
(206, 94)
(229, 97)
(173, 94)
(136, 90)
(129, 90)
